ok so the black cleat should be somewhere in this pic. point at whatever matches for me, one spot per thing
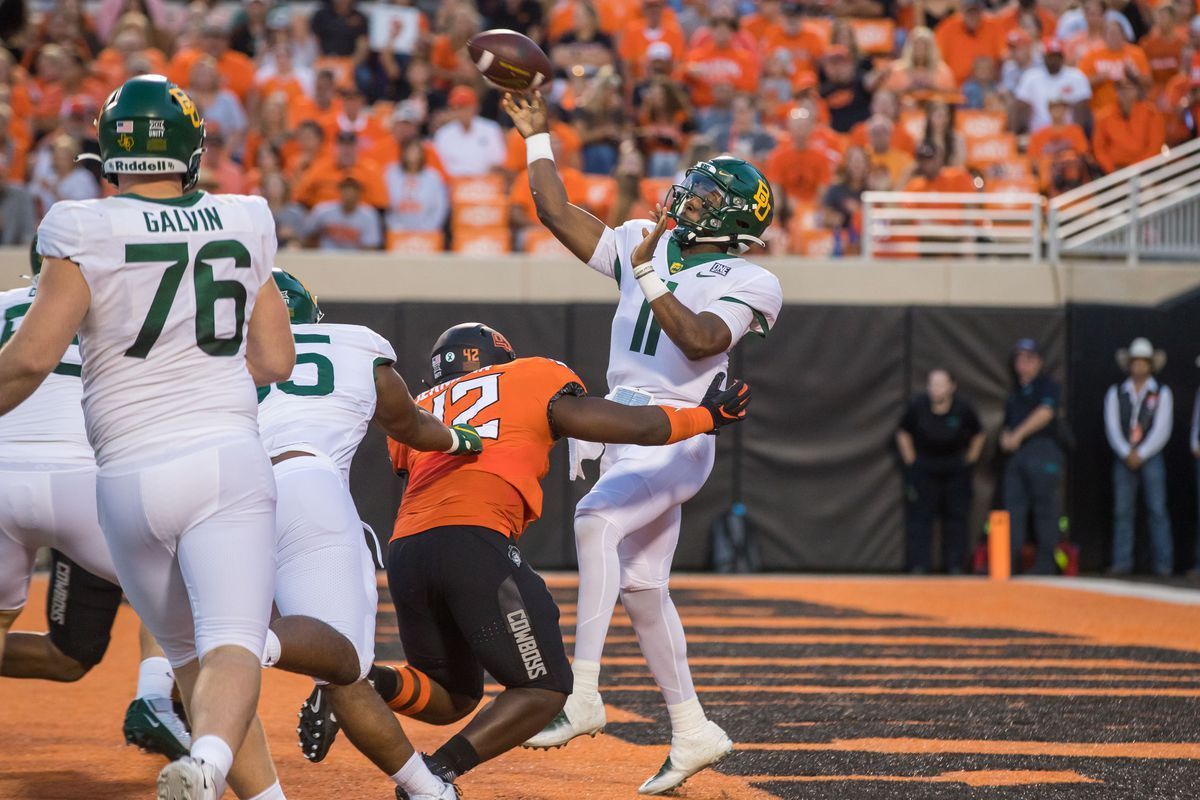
(318, 726)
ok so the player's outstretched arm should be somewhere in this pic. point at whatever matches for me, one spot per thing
(578, 230)
(406, 422)
(697, 335)
(35, 349)
(597, 420)
(270, 348)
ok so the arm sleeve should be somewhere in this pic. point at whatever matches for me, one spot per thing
(381, 349)
(555, 380)
(1160, 431)
(605, 259)
(1112, 425)
(752, 306)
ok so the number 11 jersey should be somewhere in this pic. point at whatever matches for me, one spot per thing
(173, 284)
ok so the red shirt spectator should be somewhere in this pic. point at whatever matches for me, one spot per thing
(1106, 65)
(657, 23)
(802, 165)
(321, 180)
(720, 61)
(1129, 132)
(966, 35)
(1163, 47)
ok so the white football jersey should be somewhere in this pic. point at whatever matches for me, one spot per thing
(48, 426)
(173, 286)
(327, 404)
(744, 295)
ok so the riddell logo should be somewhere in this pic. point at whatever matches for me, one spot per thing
(522, 632)
(140, 165)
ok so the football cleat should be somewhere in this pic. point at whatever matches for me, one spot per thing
(689, 754)
(578, 717)
(318, 726)
(449, 791)
(189, 779)
(152, 724)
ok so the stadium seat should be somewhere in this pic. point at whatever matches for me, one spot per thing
(478, 189)
(540, 242)
(976, 124)
(652, 191)
(988, 150)
(875, 37)
(599, 194)
(415, 242)
(482, 241)
(480, 214)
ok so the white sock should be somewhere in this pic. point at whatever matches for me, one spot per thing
(272, 792)
(415, 778)
(213, 750)
(271, 650)
(155, 678)
(587, 678)
(686, 716)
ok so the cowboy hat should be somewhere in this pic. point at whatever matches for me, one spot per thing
(1141, 348)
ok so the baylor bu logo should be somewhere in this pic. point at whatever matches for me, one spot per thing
(762, 200)
(187, 106)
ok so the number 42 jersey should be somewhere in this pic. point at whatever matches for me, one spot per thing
(173, 284)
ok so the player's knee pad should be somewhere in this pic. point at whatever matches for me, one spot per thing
(590, 528)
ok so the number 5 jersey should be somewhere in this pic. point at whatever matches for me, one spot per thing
(511, 406)
(173, 284)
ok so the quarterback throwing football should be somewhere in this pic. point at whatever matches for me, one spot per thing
(685, 300)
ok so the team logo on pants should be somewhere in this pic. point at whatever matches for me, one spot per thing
(522, 631)
(514, 555)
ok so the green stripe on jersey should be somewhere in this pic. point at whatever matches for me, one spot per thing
(758, 315)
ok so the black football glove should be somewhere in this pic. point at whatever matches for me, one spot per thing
(726, 405)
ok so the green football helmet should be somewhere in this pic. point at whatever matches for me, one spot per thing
(736, 203)
(301, 303)
(150, 126)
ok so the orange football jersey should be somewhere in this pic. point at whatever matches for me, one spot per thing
(500, 489)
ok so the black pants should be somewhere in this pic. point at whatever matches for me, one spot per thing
(80, 609)
(1031, 489)
(938, 490)
(467, 601)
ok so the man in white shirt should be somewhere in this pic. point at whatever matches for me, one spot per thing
(346, 223)
(1053, 78)
(468, 144)
(1137, 419)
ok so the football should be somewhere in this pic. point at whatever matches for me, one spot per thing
(509, 60)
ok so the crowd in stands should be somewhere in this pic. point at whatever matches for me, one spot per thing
(368, 126)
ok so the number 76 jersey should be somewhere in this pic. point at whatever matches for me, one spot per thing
(173, 284)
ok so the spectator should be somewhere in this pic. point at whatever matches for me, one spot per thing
(130, 38)
(746, 139)
(1164, 47)
(1010, 18)
(355, 117)
(1082, 29)
(932, 174)
(1116, 59)
(219, 106)
(448, 56)
(310, 148)
(844, 89)
(982, 91)
(271, 128)
(942, 132)
(290, 218)
(790, 35)
(237, 70)
(1022, 57)
(884, 104)
(800, 166)
(599, 118)
(1129, 132)
(1058, 152)
(250, 33)
(338, 26)
(526, 16)
(920, 67)
(719, 62)
(417, 196)
(940, 439)
(1053, 79)
(768, 19)
(1033, 474)
(841, 207)
(1138, 415)
(226, 176)
(966, 35)
(656, 25)
(322, 181)
(662, 113)
(18, 222)
(468, 144)
(585, 43)
(779, 79)
(279, 72)
(13, 151)
(64, 180)
(931, 13)
(881, 147)
(346, 223)
(407, 120)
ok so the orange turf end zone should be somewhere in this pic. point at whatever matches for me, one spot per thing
(63, 741)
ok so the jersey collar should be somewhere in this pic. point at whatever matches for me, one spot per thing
(189, 199)
(677, 262)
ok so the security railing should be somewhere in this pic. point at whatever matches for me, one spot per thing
(985, 224)
(1149, 210)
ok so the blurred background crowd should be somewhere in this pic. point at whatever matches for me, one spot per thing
(366, 125)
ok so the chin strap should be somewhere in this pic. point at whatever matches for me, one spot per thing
(88, 157)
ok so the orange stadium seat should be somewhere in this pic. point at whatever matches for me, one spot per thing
(974, 124)
(652, 191)
(821, 26)
(599, 193)
(416, 243)
(478, 189)
(480, 214)
(913, 123)
(988, 150)
(875, 36)
(541, 242)
(482, 241)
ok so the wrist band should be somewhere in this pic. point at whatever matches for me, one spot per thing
(652, 285)
(687, 422)
(453, 442)
(538, 146)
